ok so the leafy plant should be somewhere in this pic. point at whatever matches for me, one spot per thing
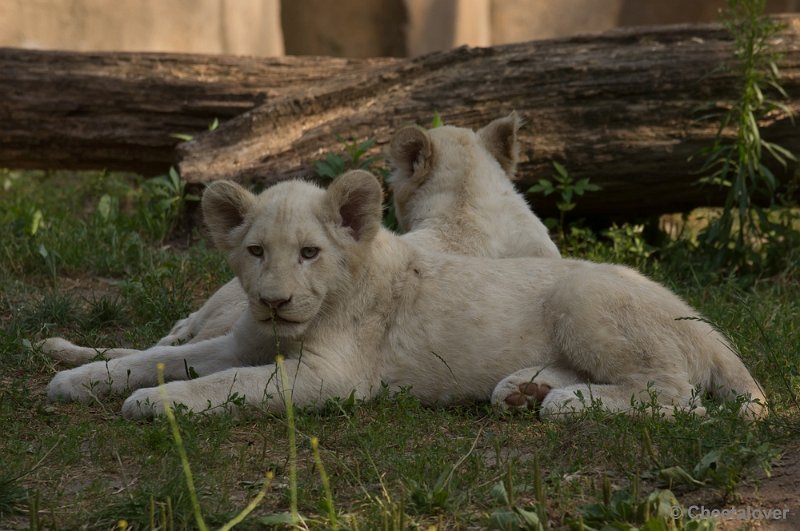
(623, 511)
(737, 164)
(354, 157)
(428, 498)
(513, 516)
(166, 198)
(724, 467)
(103, 312)
(628, 244)
(12, 494)
(567, 188)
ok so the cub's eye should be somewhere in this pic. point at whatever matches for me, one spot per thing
(309, 252)
(255, 250)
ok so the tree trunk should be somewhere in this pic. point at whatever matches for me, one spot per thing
(621, 108)
(120, 110)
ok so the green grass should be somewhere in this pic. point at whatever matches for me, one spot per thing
(113, 275)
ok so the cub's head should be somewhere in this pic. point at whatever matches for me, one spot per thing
(295, 246)
(446, 160)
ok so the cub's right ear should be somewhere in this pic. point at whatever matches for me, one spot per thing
(411, 152)
(225, 205)
(500, 138)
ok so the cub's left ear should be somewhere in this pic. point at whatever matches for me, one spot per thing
(500, 138)
(355, 200)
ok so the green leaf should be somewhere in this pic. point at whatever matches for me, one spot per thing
(331, 167)
(503, 519)
(437, 120)
(364, 146)
(174, 176)
(104, 207)
(182, 136)
(530, 519)
(707, 463)
(560, 170)
(780, 153)
(543, 186)
(36, 222)
(214, 124)
(42, 250)
(499, 493)
(367, 163)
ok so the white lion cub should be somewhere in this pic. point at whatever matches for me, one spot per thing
(452, 193)
(355, 305)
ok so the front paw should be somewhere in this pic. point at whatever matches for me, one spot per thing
(78, 385)
(143, 403)
(149, 402)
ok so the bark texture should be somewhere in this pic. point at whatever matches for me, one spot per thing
(621, 108)
(119, 110)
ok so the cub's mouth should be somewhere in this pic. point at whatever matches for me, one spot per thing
(271, 317)
(280, 320)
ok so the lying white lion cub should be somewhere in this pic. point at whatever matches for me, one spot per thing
(452, 193)
(354, 305)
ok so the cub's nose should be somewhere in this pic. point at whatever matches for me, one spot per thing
(274, 304)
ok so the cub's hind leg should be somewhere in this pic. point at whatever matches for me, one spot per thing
(616, 398)
(73, 355)
(629, 336)
(215, 318)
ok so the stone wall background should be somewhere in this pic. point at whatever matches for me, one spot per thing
(344, 28)
(241, 27)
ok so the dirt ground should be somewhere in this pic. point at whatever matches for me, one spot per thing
(778, 495)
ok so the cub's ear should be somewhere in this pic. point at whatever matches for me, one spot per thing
(354, 200)
(225, 205)
(500, 138)
(411, 152)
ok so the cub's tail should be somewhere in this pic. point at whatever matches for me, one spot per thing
(731, 379)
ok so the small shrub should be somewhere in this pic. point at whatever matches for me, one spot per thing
(568, 190)
(738, 164)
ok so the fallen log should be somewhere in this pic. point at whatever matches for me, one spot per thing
(122, 111)
(621, 108)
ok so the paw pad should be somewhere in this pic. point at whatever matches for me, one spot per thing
(530, 394)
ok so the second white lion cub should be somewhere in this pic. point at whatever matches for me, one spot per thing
(355, 305)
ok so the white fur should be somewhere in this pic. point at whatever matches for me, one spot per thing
(465, 203)
(372, 307)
